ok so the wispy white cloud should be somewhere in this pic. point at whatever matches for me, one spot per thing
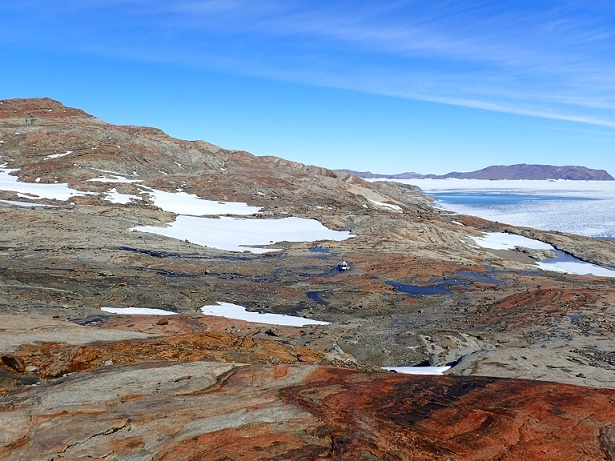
(545, 59)
(553, 55)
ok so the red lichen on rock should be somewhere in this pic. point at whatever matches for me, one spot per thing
(421, 417)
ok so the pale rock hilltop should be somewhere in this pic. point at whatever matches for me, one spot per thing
(532, 352)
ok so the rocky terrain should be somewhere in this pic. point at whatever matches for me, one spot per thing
(520, 171)
(532, 352)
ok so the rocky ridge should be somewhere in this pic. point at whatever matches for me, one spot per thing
(533, 350)
(498, 172)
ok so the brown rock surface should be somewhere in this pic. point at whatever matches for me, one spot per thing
(56, 359)
(143, 387)
(211, 411)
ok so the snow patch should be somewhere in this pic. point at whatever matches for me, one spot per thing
(562, 263)
(576, 268)
(25, 204)
(117, 197)
(115, 179)
(387, 205)
(136, 311)
(234, 311)
(236, 234)
(57, 191)
(190, 204)
(49, 157)
(419, 370)
(503, 241)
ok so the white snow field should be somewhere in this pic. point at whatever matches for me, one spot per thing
(566, 264)
(387, 205)
(575, 267)
(236, 234)
(190, 204)
(52, 156)
(31, 190)
(25, 204)
(114, 196)
(230, 234)
(234, 311)
(226, 310)
(175, 202)
(503, 241)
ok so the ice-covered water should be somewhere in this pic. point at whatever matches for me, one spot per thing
(561, 263)
(578, 207)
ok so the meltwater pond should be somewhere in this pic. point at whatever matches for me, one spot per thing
(418, 290)
(442, 287)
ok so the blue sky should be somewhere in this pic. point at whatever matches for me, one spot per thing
(424, 86)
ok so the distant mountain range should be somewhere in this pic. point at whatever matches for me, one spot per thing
(520, 171)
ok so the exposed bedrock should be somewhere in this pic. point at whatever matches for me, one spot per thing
(78, 382)
(204, 410)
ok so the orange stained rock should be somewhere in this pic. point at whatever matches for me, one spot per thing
(56, 359)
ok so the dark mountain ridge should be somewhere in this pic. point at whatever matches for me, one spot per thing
(519, 171)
